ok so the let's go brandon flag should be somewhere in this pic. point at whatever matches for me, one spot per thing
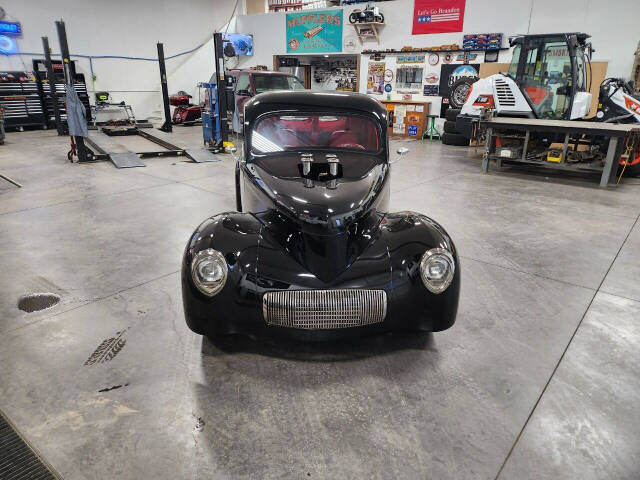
(438, 16)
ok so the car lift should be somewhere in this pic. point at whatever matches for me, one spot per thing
(99, 147)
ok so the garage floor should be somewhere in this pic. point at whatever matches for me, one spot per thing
(538, 378)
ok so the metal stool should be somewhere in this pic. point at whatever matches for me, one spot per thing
(431, 131)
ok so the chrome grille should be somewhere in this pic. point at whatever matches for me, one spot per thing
(504, 93)
(324, 309)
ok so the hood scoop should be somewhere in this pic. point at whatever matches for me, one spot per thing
(325, 256)
(323, 202)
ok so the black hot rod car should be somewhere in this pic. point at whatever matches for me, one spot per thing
(315, 252)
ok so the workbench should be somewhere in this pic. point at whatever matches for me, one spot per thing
(613, 131)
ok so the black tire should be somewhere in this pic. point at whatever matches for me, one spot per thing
(451, 114)
(455, 139)
(380, 18)
(353, 18)
(450, 127)
(459, 91)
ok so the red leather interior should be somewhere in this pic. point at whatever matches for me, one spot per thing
(341, 138)
(347, 132)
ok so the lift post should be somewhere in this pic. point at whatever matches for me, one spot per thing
(166, 126)
(84, 154)
(221, 84)
(52, 85)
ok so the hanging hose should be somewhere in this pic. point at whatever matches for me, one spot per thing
(629, 147)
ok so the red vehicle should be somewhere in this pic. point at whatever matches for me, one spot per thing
(185, 111)
(249, 83)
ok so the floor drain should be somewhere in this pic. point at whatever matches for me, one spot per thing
(18, 459)
(37, 301)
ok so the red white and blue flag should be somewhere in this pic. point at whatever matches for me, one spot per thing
(438, 16)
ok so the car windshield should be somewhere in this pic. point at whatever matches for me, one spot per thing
(265, 83)
(278, 133)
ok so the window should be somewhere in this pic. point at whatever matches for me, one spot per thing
(278, 133)
(265, 83)
(581, 73)
(546, 79)
(243, 84)
(409, 77)
(513, 67)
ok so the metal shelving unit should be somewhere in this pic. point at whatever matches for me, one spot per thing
(20, 100)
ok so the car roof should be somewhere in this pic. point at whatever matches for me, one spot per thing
(307, 100)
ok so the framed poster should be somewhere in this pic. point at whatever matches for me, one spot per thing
(451, 73)
(320, 31)
(437, 16)
(375, 78)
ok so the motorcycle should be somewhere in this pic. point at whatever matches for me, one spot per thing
(368, 15)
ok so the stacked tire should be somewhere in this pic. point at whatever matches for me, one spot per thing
(451, 135)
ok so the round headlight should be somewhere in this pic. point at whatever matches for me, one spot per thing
(436, 269)
(209, 271)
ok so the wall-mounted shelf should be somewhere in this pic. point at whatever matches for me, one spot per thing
(409, 52)
(358, 27)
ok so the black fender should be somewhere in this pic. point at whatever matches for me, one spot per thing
(236, 236)
(408, 236)
(258, 262)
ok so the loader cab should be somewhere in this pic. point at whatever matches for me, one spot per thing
(550, 70)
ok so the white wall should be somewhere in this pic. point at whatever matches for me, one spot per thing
(125, 28)
(612, 23)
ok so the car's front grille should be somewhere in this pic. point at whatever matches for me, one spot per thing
(324, 309)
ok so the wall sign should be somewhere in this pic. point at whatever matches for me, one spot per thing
(320, 31)
(466, 57)
(434, 58)
(410, 59)
(430, 91)
(413, 130)
(10, 28)
(375, 78)
(388, 87)
(438, 16)
(388, 76)
(449, 74)
(432, 78)
(398, 128)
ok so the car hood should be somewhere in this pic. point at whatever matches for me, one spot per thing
(324, 207)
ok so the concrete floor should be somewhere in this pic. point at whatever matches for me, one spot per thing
(539, 377)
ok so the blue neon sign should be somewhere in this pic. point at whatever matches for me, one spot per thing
(7, 45)
(10, 28)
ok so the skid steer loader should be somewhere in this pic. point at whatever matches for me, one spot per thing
(548, 78)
